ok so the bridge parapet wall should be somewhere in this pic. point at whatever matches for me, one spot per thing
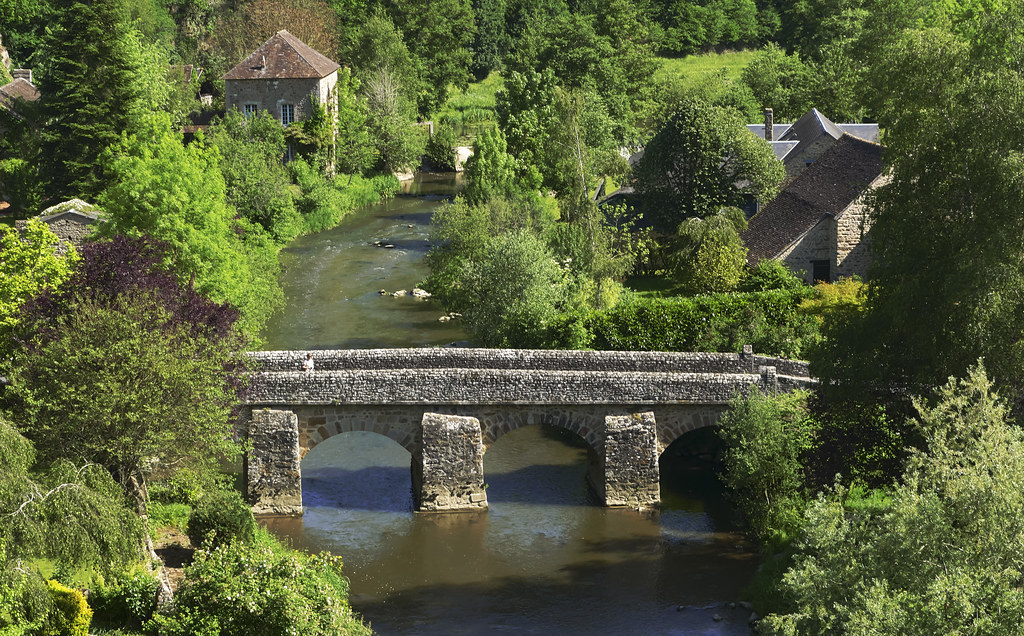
(500, 386)
(546, 360)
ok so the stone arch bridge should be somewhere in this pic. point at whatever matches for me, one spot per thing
(447, 406)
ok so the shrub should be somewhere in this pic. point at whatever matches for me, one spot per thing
(770, 274)
(767, 438)
(257, 588)
(221, 517)
(70, 615)
(128, 600)
(768, 321)
(440, 151)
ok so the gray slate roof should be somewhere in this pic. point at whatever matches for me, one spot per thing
(283, 56)
(826, 188)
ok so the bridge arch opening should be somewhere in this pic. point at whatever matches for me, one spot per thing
(539, 464)
(690, 474)
(357, 470)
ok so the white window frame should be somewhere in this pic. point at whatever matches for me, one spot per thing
(287, 114)
(250, 110)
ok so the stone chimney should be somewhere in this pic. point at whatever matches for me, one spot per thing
(769, 121)
(24, 73)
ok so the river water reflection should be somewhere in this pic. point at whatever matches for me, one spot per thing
(543, 559)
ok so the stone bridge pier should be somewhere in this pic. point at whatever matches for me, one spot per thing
(448, 406)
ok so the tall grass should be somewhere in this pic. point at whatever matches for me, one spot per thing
(694, 68)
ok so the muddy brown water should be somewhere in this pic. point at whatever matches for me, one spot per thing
(544, 559)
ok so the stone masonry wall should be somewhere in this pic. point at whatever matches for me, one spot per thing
(269, 94)
(470, 358)
(273, 463)
(853, 239)
(448, 468)
(494, 386)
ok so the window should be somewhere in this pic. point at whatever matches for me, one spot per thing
(287, 114)
(249, 110)
(821, 271)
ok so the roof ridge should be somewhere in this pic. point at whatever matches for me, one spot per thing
(311, 66)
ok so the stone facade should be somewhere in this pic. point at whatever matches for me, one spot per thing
(539, 359)
(271, 94)
(448, 465)
(448, 406)
(853, 241)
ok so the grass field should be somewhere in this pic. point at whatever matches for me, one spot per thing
(693, 68)
(473, 110)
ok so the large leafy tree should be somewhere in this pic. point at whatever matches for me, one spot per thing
(89, 93)
(948, 281)
(123, 365)
(176, 193)
(944, 554)
(439, 34)
(703, 159)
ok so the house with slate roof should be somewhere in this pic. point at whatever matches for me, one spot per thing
(801, 143)
(72, 221)
(818, 224)
(284, 76)
(21, 89)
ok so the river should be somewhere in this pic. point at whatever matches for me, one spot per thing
(543, 559)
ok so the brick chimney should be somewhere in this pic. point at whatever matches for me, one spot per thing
(24, 73)
(769, 121)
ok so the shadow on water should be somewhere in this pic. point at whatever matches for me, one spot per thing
(618, 586)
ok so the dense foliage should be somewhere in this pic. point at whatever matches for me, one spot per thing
(124, 364)
(259, 589)
(943, 554)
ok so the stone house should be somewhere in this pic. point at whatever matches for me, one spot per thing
(801, 143)
(819, 223)
(20, 89)
(72, 221)
(284, 77)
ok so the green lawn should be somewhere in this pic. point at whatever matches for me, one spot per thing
(473, 110)
(694, 67)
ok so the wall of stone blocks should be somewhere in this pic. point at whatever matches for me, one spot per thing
(269, 94)
(553, 360)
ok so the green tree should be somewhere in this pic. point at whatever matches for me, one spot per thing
(948, 281)
(781, 82)
(89, 94)
(176, 193)
(439, 34)
(256, 182)
(29, 265)
(709, 255)
(767, 438)
(355, 149)
(512, 291)
(73, 514)
(704, 158)
(119, 383)
(944, 555)
(490, 171)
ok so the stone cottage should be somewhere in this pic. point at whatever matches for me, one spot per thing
(819, 224)
(72, 221)
(284, 76)
(801, 143)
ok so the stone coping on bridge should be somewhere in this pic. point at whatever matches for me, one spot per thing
(506, 386)
(548, 360)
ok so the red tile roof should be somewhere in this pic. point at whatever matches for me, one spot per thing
(283, 56)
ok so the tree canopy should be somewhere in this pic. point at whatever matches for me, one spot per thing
(703, 159)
